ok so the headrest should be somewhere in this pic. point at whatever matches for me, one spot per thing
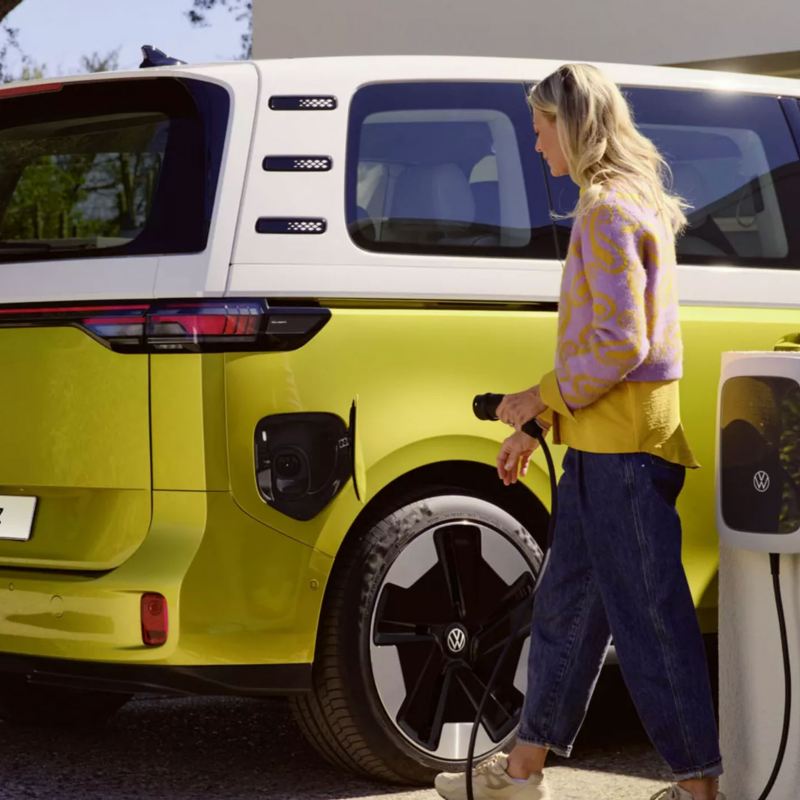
(439, 191)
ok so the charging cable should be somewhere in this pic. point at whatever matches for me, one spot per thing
(775, 569)
(485, 407)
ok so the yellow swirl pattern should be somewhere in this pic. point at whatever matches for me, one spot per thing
(618, 309)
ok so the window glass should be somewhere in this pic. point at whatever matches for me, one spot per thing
(108, 168)
(734, 161)
(446, 168)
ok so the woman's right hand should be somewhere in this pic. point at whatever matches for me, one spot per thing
(514, 455)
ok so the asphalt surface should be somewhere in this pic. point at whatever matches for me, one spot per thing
(237, 749)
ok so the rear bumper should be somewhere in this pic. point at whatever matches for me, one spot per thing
(253, 680)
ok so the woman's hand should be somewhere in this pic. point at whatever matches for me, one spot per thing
(514, 455)
(517, 409)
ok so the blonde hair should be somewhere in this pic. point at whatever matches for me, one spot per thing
(601, 144)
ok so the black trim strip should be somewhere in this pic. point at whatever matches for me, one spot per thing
(297, 163)
(320, 102)
(532, 306)
(252, 680)
(294, 225)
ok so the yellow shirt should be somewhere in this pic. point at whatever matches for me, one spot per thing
(618, 358)
(632, 417)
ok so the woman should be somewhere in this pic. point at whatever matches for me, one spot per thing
(615, 567)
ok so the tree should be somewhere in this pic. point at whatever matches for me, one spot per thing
(97, 63)
(8, 37)
(243, 9)
(67, 188)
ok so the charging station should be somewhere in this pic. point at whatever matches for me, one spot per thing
(758, 520)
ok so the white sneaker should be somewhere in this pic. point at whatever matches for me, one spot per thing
(490, 781)
(675, 792)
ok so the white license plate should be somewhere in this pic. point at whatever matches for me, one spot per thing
(16, 517)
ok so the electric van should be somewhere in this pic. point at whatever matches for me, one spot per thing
(244, 309)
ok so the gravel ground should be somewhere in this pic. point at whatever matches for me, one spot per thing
(237, 749)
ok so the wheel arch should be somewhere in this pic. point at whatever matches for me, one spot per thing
(472, 477)
(462, 462)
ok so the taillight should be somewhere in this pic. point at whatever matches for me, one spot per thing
(181, 326)
(201, 326)
(37, 88)
(155, 621)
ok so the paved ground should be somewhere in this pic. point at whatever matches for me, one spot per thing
(232, 749)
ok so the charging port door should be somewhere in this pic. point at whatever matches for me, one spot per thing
(359, 469)
(303, 460)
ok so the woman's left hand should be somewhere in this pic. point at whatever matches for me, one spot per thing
(516, 409)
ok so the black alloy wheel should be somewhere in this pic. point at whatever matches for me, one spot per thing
(418, 614)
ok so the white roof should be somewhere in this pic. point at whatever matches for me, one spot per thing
(367, 69)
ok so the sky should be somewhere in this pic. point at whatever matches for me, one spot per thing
(58, 32)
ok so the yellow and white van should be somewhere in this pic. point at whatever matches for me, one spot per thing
(244, 309)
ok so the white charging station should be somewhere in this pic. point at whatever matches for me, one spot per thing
(758, 513)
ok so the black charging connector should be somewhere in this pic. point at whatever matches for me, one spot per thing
(485, 407)
(775, 569)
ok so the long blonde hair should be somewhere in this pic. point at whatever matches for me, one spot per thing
(601, 144)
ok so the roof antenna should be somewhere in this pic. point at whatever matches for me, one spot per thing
(153, 57)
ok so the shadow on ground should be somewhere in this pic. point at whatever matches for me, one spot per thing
(238, 749)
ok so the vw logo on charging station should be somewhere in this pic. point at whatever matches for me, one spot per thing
(761, 481)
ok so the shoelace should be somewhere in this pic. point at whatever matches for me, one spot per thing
(663, 794)
(492, 765)
(671, 793)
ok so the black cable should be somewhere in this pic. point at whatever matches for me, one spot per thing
(775, 569)
(532, 429)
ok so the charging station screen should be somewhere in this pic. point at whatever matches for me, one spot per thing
(760, 454)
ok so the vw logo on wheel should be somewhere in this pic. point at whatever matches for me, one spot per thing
(761, 481)
(456, 639)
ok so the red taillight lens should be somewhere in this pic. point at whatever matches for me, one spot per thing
(39, 88)
(213, 325)
(198, 325)
(155, 621)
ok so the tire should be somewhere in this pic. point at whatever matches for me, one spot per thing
(24, 703)
(414, 620)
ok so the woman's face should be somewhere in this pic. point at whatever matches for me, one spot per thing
(548, 145)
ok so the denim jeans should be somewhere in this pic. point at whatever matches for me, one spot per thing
(615, 570)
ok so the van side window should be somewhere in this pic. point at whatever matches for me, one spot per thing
(734, 160)
(446, 169)
(109, 168)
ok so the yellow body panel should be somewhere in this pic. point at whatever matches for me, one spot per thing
(415, 373)
(188, 422)
(237, 594)
(75, 434)
(245, 583)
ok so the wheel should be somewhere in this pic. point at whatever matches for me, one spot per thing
(416, 616)
(26, 703)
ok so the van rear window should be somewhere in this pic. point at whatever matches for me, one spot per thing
(112, 167)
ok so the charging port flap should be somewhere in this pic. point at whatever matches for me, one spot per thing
(358, 468)
(303, 460)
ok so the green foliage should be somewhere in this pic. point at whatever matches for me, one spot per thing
(243, 9)
(69, 199)
(71, 189)
(8, 44)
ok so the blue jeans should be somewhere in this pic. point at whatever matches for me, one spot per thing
(615, 570)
